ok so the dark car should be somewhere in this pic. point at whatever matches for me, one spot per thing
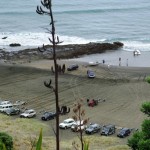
(48, 116)
(73, 67)
(93, 128)
(90, 74)
(124, 132)
(108, 130)
(12, 111)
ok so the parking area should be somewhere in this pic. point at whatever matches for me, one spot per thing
(122, 91)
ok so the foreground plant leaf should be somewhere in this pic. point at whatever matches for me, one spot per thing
(39, 142)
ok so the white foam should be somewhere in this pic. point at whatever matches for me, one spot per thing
(38, 39)
(133, 45)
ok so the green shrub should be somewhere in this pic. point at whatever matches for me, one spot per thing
(146, 128)
(148, 79)
(6, 140)
(144, 145)
(146, 108)
(1, 144)
(135, 139)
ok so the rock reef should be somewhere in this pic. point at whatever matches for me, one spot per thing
(63, 51)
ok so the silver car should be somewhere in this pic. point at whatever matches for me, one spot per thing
(90, 74)
(30, 113)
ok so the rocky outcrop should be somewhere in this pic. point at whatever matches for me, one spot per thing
(5, 37)
(63, 51)
(14, 44)
(74, 51)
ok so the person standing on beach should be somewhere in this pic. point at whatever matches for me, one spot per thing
(119, 61)
(127, 62)
(103, 61)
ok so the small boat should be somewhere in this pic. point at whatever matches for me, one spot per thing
(91, 63)
(136, 52)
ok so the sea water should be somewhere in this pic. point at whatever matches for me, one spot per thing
(77, 22)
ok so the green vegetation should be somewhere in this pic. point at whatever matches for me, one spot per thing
(148, 79)
(141, 139)
(146, 108)
(6, 141)
(39, 142)
(2, 146)
(86, 145)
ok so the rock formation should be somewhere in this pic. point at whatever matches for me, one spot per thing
(63, 51)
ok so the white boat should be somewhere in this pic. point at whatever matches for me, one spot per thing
(91, 63)
(136, 52)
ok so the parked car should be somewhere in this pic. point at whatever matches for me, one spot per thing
(77, 126)
(93, 128)
(12, 111)
(48, 116)
(93, 63)
(28, 114)
(92, 102)
(124, 132)
(108, 130)
(67, 123)
(73, 67)
(4, 107)
(5, 102)
(90, 74)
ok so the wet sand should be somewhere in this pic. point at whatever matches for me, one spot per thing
(127, 58)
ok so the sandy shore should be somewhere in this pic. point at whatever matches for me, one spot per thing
(123, 88)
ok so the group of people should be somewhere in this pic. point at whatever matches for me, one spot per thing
(103, 61)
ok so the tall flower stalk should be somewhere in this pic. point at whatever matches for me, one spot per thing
(54, 40)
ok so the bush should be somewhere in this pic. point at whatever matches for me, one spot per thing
(148, 79)
(1, 145)
(144, 145)
(6, 140)
(146, 108)
(146, 128)
(135, 139)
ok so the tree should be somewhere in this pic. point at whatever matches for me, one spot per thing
(141, 139)
(54, 40)
(79, 115)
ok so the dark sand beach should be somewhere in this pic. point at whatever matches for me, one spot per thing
(123, 88)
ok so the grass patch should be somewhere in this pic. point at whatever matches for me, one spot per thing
(26, 131)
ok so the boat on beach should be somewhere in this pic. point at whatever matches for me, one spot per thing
(91, 63)
(136, 52)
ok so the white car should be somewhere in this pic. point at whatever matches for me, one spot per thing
(67, 123)
(5, 102)
(28, 114)
(91, 63)
(4, 107)
(78, 126)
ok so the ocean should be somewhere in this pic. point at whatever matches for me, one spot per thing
(77, 22)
